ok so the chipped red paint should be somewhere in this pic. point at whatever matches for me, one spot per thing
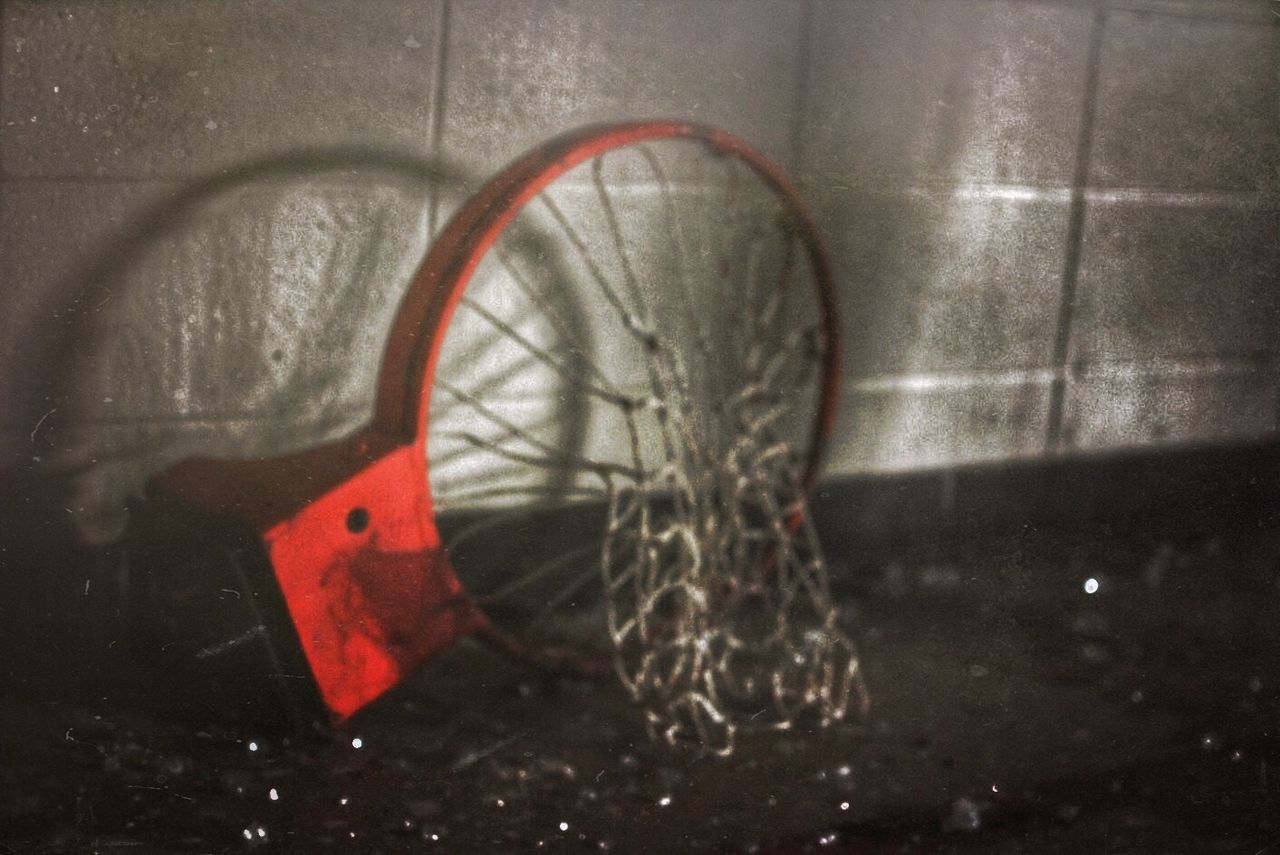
(356, 554)
(369, 605)
(350, 527)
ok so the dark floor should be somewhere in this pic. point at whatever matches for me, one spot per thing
(1012, 712)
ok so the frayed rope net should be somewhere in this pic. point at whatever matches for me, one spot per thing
(717, 593)
(719, 604)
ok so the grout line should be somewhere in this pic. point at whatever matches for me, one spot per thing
(983, 191)
(1219, 366)
(970, 191)
(1266, 364)
(932, 381)
(386, 174)
(1239, 366)
(1213, 13)
(804, 73)
(1251, 199)
(437, 112)
(326, 421)
(1075, 234)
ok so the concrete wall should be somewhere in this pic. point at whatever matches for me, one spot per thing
(1053, 223)
(1056, 223)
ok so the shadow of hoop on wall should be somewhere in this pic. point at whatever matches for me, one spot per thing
(246, 317)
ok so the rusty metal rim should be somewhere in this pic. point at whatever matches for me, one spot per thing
(402, 409)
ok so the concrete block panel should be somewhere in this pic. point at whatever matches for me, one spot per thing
(920, 426)
(1187, 103)
(920, 91)
(1177, 281)
(1116, 409)
(161, 89)
(518, 73)
(948, 281)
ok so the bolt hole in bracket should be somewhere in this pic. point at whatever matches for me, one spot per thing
(349, 585)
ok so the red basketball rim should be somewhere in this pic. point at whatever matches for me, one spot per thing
(403, 405)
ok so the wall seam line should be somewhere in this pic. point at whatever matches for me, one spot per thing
(1075, 235)
(437, 112)
(804, 73)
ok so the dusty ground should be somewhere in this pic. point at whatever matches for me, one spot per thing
(1013, 712)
